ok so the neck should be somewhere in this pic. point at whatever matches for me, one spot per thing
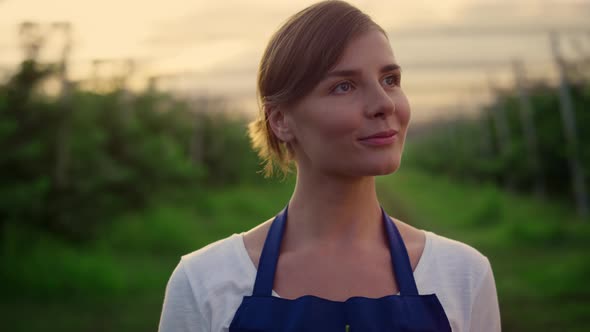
(334, 212)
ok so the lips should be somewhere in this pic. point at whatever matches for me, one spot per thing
(380, 139)
(381, 134)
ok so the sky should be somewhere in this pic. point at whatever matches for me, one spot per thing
(449, 49)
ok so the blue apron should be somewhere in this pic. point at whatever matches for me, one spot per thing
(408, 311)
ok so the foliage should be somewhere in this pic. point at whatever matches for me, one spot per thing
(470, 148)
(71, 163)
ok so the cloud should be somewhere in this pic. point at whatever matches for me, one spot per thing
(527, 13)
(226, 20)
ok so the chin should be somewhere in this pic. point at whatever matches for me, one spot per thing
(371, 166)
(384, 163)
(382, 168)
(388, 165)
(386, 170)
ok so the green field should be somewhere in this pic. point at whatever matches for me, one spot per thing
(539, 251)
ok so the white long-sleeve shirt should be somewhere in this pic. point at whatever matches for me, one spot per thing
(208, 285)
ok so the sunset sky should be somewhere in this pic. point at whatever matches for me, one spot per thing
(448, 48)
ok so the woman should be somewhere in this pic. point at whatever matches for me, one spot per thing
(332, 260)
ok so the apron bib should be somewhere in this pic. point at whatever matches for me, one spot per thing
(408, 311)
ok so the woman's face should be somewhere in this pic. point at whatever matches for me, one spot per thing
(359, 98)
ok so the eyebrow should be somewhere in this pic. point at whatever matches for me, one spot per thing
(355, 72)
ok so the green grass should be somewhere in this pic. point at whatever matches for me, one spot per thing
(117, 282)
(539, 252)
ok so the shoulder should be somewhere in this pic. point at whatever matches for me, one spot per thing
(206, 287)
(457, 257)
(216, 264)
(222, 267)
(211, 254)
(461, 277)
(254, 240)
(453, 264)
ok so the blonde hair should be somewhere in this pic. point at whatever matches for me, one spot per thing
(297, 57)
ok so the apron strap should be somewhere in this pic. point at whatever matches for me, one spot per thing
(399, 259)
(269, 257)
(267, 265)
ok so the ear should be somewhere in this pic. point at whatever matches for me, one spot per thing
(280, 123)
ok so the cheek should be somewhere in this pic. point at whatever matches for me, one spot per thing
(330, 122)
(403, 112)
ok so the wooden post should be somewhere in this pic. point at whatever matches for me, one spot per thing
(95, 74)
(32, 38)
(197, 144)
(483, 122)
(569, 125)
(63, 132)
(486, 134)
(528, 127)
(129, 68)
(502, 131)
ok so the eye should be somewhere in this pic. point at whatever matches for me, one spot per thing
(392, 80)
(342, 88)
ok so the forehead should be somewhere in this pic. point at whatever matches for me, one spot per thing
(369, 49)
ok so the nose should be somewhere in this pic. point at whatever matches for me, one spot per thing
(379, 103)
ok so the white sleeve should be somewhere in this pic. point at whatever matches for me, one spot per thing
(180, 311)
(485, 311)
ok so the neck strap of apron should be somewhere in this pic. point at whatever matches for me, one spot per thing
(270, 255)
